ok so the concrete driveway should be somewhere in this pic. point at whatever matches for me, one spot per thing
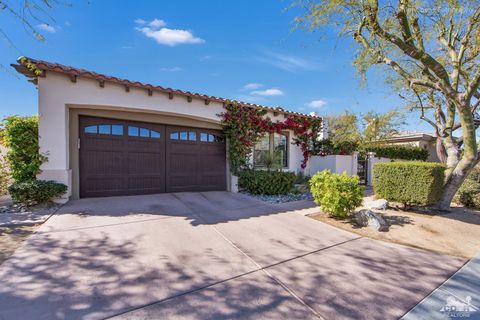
(212, 255)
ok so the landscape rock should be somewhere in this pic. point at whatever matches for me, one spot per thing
(380, 204)
(368, 218)
(282, 198)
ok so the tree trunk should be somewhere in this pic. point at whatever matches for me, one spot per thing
(440, 148)
(457, 170)
(454, 182)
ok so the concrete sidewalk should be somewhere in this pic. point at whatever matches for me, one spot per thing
(212, 255)
(458, 297)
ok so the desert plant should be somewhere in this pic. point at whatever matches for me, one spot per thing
(20, 135)
(36, 191)
(266, 182)
(409, 183)
(271, 161)
(337, 194)
(302, 178)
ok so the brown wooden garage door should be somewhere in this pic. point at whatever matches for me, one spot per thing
(120, 157)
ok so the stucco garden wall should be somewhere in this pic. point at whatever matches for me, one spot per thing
(334, 163)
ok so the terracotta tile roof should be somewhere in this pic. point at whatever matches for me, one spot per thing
(76, 72)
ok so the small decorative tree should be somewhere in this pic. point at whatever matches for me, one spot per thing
(20, 135)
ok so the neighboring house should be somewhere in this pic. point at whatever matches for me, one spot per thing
(423, 140)
(106, 136)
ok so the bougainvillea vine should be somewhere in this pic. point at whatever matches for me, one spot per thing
(244, 126)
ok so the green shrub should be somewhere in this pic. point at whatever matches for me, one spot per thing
(302, 178)
(337, 194)
(266, 182)
(20, 135)
(36, 191)
(398, 152)
(327, 147)
(469, 193)
(344, 147)
(4, 176)
(409, 183)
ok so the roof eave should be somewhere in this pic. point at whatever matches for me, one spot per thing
(21, 67)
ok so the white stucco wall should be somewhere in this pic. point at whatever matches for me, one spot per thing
(56, 93)
(334, 163)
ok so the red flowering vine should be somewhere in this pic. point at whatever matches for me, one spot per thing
(244, 126)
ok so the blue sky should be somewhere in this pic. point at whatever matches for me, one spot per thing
(244, 50)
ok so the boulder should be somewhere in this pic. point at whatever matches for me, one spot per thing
(368, 218)
(380, 204)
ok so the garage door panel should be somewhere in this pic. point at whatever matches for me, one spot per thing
(146, 163)
(99, 143)
(105, 186)
(146, 182)
(102, 161)
(183, 183)
(114, 160)
(195, 165)
(182, 164)
(209, 164)
(120, 157)
(140, 145)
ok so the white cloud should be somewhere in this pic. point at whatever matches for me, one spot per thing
(204, 58)
(288, 62)
(316, 104)
(252, 86)
(140, 21)
(156, 23)
(251, 99)
(172, 69)
(268, 92)
(169, 37)
(47, 28)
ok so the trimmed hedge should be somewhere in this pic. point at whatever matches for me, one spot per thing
(336, 194)
(469, 193)
(36, 191)
(409, 183)
(399, 152)
(266, 182)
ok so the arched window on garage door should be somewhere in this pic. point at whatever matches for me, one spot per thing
(112, 129)
(134, 131)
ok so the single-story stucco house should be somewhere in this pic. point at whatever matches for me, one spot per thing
(422, 140)
(106, 136)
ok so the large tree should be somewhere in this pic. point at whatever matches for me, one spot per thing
(431, 47)
(380, 126)
(366, 128)
(343, 127)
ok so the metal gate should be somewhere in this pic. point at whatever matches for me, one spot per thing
(362, 168)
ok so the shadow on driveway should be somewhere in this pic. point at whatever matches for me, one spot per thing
(209, 255)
